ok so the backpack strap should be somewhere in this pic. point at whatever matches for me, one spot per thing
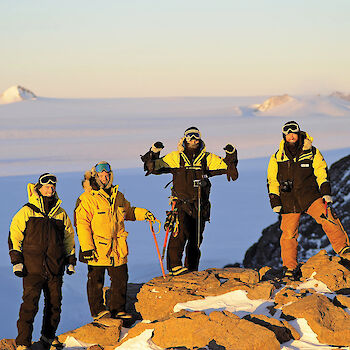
(34, 208)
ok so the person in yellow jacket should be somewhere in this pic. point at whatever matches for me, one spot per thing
(297, 180)
(41, 244)
(191, 166)
(99, 217)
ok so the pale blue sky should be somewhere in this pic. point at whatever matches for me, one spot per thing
(112, 48)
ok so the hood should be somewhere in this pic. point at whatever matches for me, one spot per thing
(307, 144)
(37, 200)
(91, 181)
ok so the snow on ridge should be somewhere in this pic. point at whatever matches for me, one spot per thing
(334, 105)
(16, 93)
(273, 102)
(341, 95)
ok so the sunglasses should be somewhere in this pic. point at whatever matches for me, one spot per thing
(102, 167)
(193, 135)
(48, 179)
(290, 128)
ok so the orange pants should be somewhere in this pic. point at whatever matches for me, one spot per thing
(289, 227)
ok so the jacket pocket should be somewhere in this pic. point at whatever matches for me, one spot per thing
(122, 245)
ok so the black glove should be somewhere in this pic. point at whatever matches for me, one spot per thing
(19, 270)
(157, 147)
(89, 255)
(229, 148)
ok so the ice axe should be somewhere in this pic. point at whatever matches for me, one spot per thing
(156, 243)
(167, 232)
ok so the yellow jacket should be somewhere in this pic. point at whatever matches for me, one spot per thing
(100, 225)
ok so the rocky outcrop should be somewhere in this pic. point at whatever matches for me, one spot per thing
(312, 238)
(329, 322)
(104, 332)
(332, 271)
(158, 297)
(219, 330)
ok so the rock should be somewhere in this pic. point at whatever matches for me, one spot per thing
(240, 274)
(105, 332)
(329, 322)
(7, 344)
(158, 297)
(328, 270)
(287, 295)
(219, 330)
(282, 329)
(262, 290)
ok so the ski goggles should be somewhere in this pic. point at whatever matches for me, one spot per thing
(290, 128)
(48, 179)
(102, 167)
(193, 136)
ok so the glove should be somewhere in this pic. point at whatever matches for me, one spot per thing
(19, 270)
(157, 147)
(70, 270)
(327, 199)
(89, 255)
(277, 209)
(229, 149)
(150, 217)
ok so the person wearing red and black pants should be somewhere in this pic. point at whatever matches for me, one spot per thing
(41, 243)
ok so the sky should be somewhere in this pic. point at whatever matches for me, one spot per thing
(148, 48)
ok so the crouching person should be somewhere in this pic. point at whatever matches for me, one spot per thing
(99, 217)
(41, 243)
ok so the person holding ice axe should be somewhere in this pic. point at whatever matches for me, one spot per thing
(99, 217)
(191, 166)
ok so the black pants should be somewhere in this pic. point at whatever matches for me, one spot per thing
(187, 234)
(119, 279)
(32, 287)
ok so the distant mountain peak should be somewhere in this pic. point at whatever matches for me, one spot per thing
(340, 95)
(273, 102)
(16, 93)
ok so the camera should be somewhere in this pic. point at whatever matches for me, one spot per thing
(286, 186)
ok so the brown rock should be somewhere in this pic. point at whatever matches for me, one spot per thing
(282, 329)
(7, 344)
(221, 328)
(287, 295)
(329, 322)
(328, 270)
(105, 332)
(240, 274)
(158, 297)
(262, 290)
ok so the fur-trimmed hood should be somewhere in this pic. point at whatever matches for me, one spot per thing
(92, 182)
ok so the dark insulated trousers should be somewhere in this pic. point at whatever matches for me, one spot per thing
(119, 279)
(187, 234)
(32, 287)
